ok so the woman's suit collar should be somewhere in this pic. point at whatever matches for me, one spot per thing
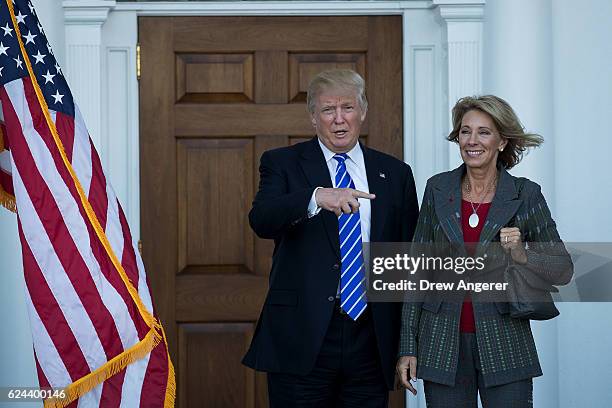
(447, 204)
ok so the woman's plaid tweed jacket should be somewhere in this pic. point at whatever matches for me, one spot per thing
(430, 329)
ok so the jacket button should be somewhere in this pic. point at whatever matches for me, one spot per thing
(331, 298)
(336, 266)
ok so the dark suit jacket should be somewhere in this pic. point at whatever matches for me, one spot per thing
(306, 261)
(430, 329)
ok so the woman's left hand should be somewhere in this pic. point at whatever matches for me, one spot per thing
(510, 238)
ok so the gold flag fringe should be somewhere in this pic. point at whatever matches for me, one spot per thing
(170, 386)
(7, 200)
(104, 372)
(171, 383)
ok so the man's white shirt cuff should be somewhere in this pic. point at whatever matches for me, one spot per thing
(313, 208)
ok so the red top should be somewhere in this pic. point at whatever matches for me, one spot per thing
(467, 323)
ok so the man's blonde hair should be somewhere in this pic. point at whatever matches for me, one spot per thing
(344, 79)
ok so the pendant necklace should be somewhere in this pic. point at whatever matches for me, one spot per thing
(474, 220)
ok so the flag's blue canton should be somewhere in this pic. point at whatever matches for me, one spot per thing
(12, 65)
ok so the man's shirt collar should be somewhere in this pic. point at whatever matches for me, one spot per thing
(355, 154)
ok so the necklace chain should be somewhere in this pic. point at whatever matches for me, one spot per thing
(468, 189)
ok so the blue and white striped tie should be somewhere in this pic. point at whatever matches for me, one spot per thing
(352, 280)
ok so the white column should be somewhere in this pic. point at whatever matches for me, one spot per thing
(120, 140)
(582, 57)
(518, 67)
(463, 20)
(434, 81)
(84, 20)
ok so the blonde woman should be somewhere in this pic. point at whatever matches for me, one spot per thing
(462, 349)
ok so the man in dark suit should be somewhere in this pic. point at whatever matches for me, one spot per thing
(321, 342)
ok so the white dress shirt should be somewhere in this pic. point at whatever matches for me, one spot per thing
(355, 165)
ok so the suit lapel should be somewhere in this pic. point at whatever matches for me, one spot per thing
(378, 178)
(315, 169)
(447, 200)
(504, 206)
(447, 205)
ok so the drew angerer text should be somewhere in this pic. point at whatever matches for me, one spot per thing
(425, 285)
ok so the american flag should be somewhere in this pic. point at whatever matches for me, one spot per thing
(94, 330)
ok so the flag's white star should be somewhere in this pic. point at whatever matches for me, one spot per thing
(49, 49)
(39, 57)
(39, 27)
(30, 37)
(7, 30)
(58, 69)
(31, 8)
(1, 68)
(20, 18)
(18, 61)
(48, 77)
(3, 49)
(58, 97)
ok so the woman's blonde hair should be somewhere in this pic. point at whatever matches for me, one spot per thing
(506, 122)
(336, 79)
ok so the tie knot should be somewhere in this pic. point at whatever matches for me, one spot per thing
(341, 157)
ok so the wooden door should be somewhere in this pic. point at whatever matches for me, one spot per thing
(215, 93)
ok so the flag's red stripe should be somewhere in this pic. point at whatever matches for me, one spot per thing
(156, 377)
(43, 382)
(99, 201)
(63, 244)
(65, 129)
(6, 181)
(51, 314)
(97, 189)
(111, 391)
(106, 265)
(128, 259)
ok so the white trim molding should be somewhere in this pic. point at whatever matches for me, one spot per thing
(270, 8)
(83, 24)
(460, 10)
(463, 52)
(83, 12)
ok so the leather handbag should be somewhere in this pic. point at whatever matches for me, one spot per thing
(529, 296)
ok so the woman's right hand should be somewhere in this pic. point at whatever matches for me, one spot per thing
(407, 366)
